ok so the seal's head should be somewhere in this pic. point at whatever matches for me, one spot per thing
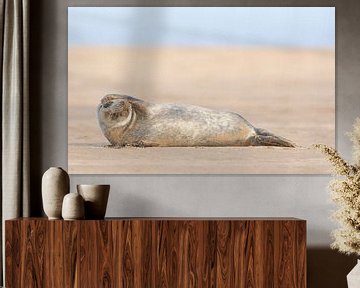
(117, 113)
(114, 111)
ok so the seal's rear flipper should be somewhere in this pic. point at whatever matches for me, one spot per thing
(260, 140)
(265, 138)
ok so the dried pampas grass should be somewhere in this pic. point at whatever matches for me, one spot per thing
(355, 138)
(345, 191)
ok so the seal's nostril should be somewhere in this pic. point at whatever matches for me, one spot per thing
(107, 104)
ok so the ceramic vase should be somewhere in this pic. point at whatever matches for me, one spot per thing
(73, 207)
(353, 278)
(96, 198)
(55, 185)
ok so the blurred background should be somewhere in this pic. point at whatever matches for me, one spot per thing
(194, 26)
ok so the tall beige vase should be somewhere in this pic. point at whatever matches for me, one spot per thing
(96, 198)
(55, 185)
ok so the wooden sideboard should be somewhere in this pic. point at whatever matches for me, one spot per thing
(156, 252)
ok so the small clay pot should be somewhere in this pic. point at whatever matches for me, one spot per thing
(96, 198)
(55, 185)
(73, 207)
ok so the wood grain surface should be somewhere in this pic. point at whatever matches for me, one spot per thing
(156, 253)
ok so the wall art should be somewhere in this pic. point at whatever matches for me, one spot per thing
(200, 90)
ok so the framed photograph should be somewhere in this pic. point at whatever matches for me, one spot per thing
(200, 90)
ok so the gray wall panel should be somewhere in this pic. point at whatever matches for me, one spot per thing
(243, 195)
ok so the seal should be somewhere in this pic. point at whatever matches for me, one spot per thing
(128, 121)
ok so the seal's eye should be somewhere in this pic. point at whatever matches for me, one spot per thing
(107, 104)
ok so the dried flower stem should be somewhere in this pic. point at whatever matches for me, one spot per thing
(345, 191)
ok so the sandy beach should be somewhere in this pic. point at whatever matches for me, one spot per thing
(290, 92)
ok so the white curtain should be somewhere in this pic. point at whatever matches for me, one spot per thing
(14, 39)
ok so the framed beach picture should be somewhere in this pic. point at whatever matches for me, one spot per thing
(200, 90)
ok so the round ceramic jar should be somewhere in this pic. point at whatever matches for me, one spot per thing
(73, 207)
